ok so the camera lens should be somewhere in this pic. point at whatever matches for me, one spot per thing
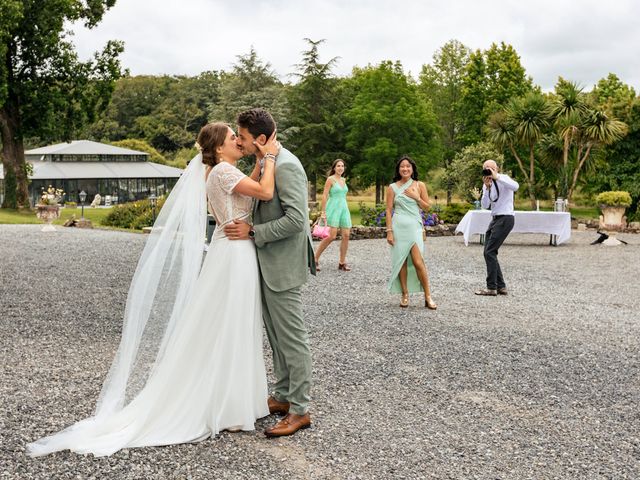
(487, 172)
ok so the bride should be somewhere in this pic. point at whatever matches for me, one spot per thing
(190, 360)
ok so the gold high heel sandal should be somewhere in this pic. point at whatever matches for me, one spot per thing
(429, 304)
(404, 301)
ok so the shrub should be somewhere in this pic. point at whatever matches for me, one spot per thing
(614, 199)
(454, 212)
(377, 216)
(464, 171)
(70, 204)
(430, 219)
(373, 216)
(134, 215)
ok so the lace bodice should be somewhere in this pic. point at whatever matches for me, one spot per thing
(223, 202)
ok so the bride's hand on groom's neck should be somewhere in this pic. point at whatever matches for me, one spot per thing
(271, 146)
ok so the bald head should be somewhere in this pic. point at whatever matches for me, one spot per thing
(491, 164)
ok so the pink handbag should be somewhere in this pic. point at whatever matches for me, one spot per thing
(320, 229)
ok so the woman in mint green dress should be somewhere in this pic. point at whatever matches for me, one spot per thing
(405, 197)
(335, 212)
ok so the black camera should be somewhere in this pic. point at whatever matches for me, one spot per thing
(487, 172)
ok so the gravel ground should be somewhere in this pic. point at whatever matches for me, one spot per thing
(541, 384)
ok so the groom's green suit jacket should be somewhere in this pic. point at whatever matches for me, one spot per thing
(281, 225)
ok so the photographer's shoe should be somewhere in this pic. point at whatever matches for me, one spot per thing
(503, 291)
(487, 292)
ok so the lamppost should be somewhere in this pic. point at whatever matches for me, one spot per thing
(153, 199)
(83, 197)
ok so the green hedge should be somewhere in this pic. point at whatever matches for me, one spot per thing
(452, 213)
(376, 217)
(134, 215)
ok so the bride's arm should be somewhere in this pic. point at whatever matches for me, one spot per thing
(262, 190)
(255, 174)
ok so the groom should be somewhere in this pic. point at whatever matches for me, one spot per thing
(283, 243)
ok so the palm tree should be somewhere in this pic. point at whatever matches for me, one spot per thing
(567, 109)
(597, 130)
(582, 128)
(522, 125)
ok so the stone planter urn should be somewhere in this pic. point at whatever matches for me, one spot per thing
(612, 220)
(48, 213)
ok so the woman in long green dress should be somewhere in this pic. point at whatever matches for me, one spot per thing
(335, 211)
(405, 197)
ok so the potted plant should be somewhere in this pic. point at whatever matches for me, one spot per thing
(613, 206)
(48, 209)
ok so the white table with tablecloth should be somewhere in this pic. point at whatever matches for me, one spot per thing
(556, 224)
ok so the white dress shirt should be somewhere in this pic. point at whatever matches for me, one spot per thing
(500, 199)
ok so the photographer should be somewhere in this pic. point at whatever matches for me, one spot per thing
(497, 195)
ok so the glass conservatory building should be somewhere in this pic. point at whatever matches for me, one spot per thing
(121, 174)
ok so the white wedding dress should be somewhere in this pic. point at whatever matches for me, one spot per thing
(211, 374)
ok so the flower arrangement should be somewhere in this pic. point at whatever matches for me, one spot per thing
(51, 196)
(475, 193)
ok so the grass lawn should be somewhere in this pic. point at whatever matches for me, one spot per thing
(29, 216)
(96, 215)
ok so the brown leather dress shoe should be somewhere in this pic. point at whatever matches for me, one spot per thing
(289, 425)
(503, 291)
(277, 407)
(487, 292)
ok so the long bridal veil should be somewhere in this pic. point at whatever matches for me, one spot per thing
(166, 273)
(164, 277)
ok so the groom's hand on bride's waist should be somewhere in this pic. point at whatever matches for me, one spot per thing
(238, 230)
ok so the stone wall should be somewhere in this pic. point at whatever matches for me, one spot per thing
(446, 230)
(594, 224)
(364, 233)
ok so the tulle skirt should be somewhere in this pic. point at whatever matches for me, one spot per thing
(211, 378)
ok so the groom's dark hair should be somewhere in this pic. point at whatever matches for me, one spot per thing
(258, 121)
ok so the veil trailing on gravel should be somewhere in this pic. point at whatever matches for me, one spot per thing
(166, 274)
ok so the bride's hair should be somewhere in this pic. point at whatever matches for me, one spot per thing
(211, 137)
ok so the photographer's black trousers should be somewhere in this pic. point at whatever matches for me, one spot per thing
(499, 229)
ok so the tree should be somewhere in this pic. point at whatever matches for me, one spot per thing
(620, 169)
(251, 83)
(506, 77)
(312, 109)
(442, 83)
(521, 126)
(165, 111)
(619, 165)
(132, 98)
(388, 118)
(613, 96)
(583, 128)
(474, 92)
(45, 91)
(465, 169)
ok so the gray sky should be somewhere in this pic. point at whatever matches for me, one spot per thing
(581, 40)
